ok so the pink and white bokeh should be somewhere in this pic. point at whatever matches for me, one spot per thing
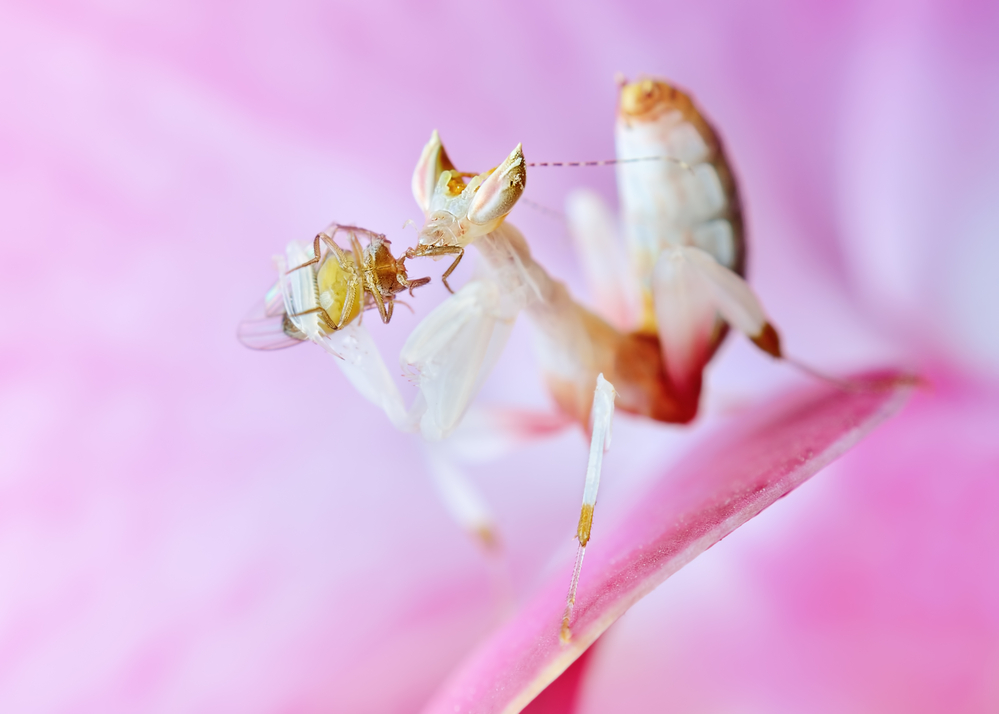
(188, 526)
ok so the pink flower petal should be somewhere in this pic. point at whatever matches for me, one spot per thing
(732, 478)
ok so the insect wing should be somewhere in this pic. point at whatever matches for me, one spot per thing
(264, 327)
(298, 287)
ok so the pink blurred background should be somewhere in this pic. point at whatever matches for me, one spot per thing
(189, 526)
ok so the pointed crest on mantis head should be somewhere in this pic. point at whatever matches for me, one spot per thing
(433, 162)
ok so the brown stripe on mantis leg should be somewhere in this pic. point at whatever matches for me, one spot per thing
(600, 436)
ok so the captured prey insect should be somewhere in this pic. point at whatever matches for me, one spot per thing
(334, 286)
(341, 281)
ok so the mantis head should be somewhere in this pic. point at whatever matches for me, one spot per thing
(458, 212)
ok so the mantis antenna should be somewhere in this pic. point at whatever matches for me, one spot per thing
(610, 162)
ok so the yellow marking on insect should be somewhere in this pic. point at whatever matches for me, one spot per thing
(334, 282)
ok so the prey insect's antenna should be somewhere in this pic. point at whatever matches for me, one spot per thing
(410, 307)
(603, 413)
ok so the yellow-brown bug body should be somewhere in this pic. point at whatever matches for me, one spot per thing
(349, 281)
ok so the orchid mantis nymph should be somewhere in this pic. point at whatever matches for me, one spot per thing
(688, 278)
(683, 221)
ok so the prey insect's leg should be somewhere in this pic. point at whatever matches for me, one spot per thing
(341, 257)
(405, 281)
(385, 312)
(323, 315)
(315, 251)
(348, 304)
(413, 284)
(600, 436)
(437, 250)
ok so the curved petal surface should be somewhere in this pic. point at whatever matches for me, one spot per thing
(743, 469)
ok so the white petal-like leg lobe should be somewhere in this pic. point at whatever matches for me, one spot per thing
(732, 296)
(365, 369)
(452, 351)
(686, 319)
(592, 227)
